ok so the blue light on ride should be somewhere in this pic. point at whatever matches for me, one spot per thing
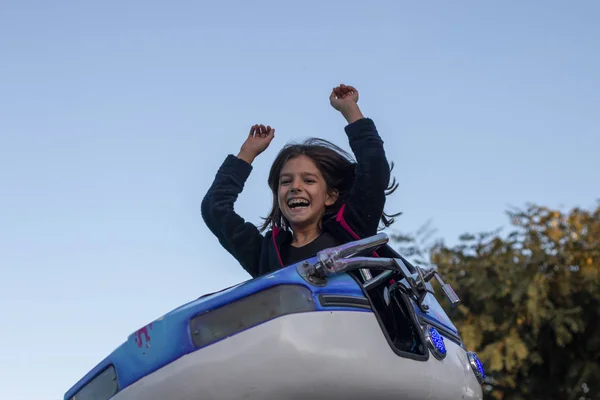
(476, 366)
(435, 342)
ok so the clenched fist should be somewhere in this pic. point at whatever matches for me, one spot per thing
(344, 99)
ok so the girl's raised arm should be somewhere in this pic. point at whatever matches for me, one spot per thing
(372, 176)
(240, 238)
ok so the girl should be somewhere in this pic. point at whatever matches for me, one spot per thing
(320, 197)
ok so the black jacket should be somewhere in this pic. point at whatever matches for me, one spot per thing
(359, 217)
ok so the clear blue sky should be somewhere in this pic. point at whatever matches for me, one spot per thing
(114, 117)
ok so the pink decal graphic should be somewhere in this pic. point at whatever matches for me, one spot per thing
(143, 332)
(275, 233)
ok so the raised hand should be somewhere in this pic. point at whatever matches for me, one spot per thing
(257, 141)
(343, 96)
(344, 99)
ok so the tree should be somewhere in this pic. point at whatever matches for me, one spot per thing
(530, 301)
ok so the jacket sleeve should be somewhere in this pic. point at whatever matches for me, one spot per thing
(372, 174)
(240, 238)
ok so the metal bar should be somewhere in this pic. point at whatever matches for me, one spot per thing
(339, 266)
(351, 248)
(366, 274)
(377, 280)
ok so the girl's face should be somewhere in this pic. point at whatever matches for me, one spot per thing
(303, 194)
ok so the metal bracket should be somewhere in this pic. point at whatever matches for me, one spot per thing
(449, 293)
(309, 273)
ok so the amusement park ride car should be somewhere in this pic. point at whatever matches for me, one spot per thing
(344, 324)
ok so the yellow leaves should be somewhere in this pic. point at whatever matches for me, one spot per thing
(492, 357)
(516, 351)
(506, 355)
(591, 272)
(486, 323)
(531, 306)
(471, 335)
(537, 306)
(498, 395)
(563, 336)
(496, 359)
(474, 328)
(509, 381)
(566, 323)
(554, 232)
(464, 310)
(575, 222)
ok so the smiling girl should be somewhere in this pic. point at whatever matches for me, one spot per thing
(321, 197)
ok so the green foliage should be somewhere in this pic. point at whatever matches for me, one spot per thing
(530, 301)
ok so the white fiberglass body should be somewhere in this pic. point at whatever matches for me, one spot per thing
(314, 355)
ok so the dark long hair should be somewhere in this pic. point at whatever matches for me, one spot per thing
(337, 168)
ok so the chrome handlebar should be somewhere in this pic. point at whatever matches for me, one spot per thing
(340, 259)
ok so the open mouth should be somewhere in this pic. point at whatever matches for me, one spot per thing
(298, 204)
